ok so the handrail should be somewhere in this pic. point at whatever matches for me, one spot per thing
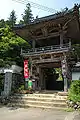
(45, 49)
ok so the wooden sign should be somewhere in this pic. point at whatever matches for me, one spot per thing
(26, 71)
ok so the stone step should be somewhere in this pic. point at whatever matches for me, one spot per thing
(39, 99)
(45, 103)
(39, 96)
(53, 104)
(43, 94)
(35, 106)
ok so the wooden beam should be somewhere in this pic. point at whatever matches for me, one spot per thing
(46, 60)
(50, 65)
(44, 31)
(38, 54)
(46, 37)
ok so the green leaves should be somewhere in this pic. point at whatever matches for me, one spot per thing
(76, 52)
(12, 18)
(27, 16)
(10, 47)
(74, 91)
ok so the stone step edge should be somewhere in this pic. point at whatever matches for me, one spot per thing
(40, 102)
(40, 94)
(39, 98)
(38, 106)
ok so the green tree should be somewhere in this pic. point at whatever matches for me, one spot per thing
(74, 91)
(10, 46)
(75, 53)
(27, 16)
(21, 22)
(2, 23)
(12, 19)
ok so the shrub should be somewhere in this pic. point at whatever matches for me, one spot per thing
(1, 82)
(74, 91)
(21, 87)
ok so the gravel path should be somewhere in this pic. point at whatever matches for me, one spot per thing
(77, 116)
(33, 114)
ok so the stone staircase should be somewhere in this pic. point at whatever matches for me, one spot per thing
(40, 100)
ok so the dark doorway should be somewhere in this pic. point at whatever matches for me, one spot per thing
(51, 82)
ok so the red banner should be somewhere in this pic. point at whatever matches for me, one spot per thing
(26, 72)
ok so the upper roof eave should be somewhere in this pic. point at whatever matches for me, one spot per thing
(46, 18)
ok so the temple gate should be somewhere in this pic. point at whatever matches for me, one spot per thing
(51, 38)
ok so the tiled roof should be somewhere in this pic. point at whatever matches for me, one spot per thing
(19, 26)
(54, 16)
(46, 18)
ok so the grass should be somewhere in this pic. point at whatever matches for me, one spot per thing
(69, 109)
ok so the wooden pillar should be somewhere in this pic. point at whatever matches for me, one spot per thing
(64, 72)
(44, 81)
(52, 57)
(40, 78)
(61, 38)
(69, 43)
(30, 59)
(69, 77)
(31, 71)
(65, 84)
(33, 45)
(37, 69)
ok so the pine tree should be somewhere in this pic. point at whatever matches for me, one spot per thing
(27, 16)
(12, 19)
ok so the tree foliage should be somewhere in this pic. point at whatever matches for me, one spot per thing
(10, 46)
(74, 91)
(12, 19)
(27, 16)
(76, 52)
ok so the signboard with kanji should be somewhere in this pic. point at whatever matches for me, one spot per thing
(26, 71)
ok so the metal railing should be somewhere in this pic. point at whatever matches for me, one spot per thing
(45, 49)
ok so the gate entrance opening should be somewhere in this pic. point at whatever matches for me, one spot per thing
(52, 79)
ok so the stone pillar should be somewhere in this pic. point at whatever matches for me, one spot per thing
(7, 84)
(61, 38)
(64, 72)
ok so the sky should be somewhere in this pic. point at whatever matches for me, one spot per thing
(6, 6)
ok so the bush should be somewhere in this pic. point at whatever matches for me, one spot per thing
(1, 82)
(21, 87)
(74, 91)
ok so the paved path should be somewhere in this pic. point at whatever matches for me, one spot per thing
(32, 114)
(77, 116)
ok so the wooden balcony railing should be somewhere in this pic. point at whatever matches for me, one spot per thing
(45, 49)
